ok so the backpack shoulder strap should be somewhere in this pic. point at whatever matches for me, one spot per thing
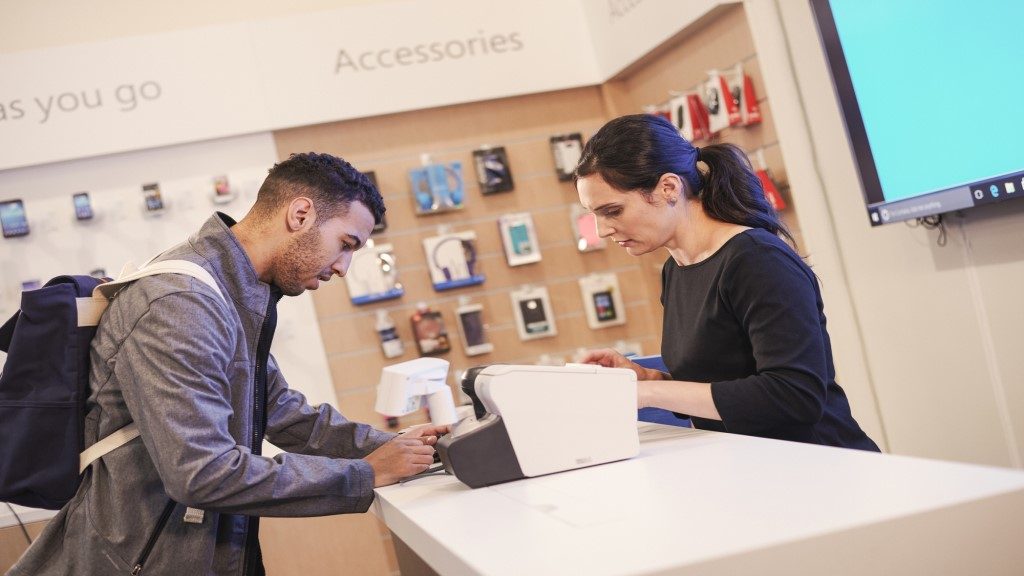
(109, 443)
(91, 309)
(185, 267)
(89, 312)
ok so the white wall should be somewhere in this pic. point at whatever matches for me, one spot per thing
(936, 331)
(293, 70)
(623, 31)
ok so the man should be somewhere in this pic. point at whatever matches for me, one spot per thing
(194, 372)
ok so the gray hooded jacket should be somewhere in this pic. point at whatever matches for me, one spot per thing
(172, 356)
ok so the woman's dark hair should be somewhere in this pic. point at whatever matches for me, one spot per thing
(330, 182)
(633, 152)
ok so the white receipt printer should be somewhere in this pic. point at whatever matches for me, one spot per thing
(535, 420)
(403, 387)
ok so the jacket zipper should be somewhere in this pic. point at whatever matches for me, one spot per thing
(262, 362)
(164, 516)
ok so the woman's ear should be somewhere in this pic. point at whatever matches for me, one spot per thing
(670, 188)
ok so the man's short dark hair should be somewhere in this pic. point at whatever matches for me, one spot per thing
(330, 182)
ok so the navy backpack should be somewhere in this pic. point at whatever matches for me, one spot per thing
(45, 384)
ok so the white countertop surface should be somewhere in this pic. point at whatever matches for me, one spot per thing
(692, 498)
(27, 515)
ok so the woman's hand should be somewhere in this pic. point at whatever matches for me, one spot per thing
(611, 359)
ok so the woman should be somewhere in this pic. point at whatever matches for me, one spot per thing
(744, 334)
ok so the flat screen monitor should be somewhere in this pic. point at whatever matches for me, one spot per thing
(930, 92)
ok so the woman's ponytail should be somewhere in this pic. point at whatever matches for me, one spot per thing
(731, 192)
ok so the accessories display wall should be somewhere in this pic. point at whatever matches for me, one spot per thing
(566, 236)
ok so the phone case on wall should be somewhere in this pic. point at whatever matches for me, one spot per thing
(532, 309)
(519, 237)
(602, 300)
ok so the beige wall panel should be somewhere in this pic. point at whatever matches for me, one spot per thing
(341, 544)
(358, 404)
(13, 544)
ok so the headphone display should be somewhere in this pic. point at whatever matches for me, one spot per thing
(437, 187)
(452, 259)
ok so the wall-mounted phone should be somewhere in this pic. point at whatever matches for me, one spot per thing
(83, 206)
(471, 328)
(223, 193)
(154, 200)
(532, 309)
(13, 219)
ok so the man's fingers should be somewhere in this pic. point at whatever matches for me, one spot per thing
(414, 432)
(421, 459)
(403, 441)
(421, 449)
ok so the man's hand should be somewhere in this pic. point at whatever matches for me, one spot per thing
(611, 359)
(429, 432)
(404, 455)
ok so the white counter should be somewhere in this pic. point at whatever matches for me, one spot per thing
(26, 514)
(707, 503)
